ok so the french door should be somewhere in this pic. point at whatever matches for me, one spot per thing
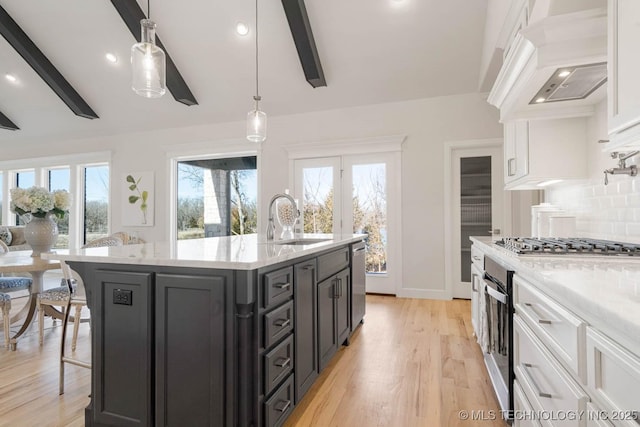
(355, 194)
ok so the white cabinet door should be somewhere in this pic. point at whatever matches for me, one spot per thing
(540, 151)
(516, 150)
(613, 378)
(624, 69)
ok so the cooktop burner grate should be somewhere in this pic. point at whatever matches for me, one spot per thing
(571, 246)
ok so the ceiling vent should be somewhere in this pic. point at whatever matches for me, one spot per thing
(571, 83)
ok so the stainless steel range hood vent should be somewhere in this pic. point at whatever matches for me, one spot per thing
(571, 83)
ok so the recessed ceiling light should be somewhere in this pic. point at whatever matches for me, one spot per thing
(11, 78)
(564, 73)
(242, 28)
(111, 57)
(539, 100)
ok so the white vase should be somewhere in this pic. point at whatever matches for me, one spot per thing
(41, 234)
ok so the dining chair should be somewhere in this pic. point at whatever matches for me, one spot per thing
(9, 284)
(60, 296)
(76, 298)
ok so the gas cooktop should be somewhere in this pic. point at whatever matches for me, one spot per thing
(568, 246)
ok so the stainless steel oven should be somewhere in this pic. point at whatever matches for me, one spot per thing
(499, 304)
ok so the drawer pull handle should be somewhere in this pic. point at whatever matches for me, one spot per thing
(282, 322)
(286, 285)
(282, 362)
(476, 258)
(308, 267)
(473, 282)
(525, 369)
(283, 405)
(538, 318)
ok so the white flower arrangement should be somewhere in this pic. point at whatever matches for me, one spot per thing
(40, 202)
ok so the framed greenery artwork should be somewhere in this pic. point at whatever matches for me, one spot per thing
(138, 192)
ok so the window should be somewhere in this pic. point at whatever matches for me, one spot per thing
(24, 179)
(85, 176)
(216, 197)
(59, 179)
(96, 202)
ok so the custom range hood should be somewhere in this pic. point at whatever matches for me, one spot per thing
(555, 67)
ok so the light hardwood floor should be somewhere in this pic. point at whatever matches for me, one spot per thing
(414, 363)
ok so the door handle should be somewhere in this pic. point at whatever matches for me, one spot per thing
(497, 295)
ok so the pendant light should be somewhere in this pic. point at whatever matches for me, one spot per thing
(256, 119)
(148, 62)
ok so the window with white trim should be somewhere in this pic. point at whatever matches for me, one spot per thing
(85, 176)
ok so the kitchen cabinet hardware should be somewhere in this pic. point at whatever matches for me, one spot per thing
(525, 369)
(282, 362)
(283, 406)
(511, 166)
(282, 322)
(286, 285)
(537, 317)
(477, 258)
(473, 282)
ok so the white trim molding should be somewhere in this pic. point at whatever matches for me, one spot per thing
(380, 144)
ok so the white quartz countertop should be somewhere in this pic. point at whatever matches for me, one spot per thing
(604, 291)
(246, 252)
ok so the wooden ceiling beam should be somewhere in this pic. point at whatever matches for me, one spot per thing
(305, 44)
(131, 14)
(5, 123)
(19, 40)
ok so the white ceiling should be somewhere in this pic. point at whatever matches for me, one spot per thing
(372, 51)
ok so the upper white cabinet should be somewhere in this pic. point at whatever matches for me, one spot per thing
(539, 151)
(624, 69)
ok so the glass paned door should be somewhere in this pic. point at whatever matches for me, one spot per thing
(351, 194)
(317, 189)
(369, 194)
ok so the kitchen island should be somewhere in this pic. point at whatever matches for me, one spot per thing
(226, 331)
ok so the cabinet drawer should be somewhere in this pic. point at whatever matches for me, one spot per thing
(278, 323)
(477, 257)
(522, 409)
(278, 407)
(278, 286)
(596, 417)
(545, 383)
(560, 331)
(613, 378)
(332, 262)
(277, 364)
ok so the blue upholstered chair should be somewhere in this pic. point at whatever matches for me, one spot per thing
(7, 285)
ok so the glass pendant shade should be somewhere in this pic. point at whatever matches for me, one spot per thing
(148, 64)
(256, 125)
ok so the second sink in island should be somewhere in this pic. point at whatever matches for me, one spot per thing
(217, 331)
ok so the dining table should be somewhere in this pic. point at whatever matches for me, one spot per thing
(18, 262)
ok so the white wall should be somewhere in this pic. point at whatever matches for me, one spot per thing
(427, 123)
(605, 212)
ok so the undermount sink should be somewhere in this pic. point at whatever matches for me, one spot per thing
(301, 241)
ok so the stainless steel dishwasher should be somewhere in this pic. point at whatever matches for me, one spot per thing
(358, 284)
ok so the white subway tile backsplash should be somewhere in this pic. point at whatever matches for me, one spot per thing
(604, 212)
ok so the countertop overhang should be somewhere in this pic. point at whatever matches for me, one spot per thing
(245, 252)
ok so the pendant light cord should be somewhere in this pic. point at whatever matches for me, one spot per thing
(257, 97)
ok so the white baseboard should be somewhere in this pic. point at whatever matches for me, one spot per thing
(441, 294)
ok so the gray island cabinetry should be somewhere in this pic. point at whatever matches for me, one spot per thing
(239, 343)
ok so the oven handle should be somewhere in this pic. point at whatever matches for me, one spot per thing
(525, 369)
(495, 294)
